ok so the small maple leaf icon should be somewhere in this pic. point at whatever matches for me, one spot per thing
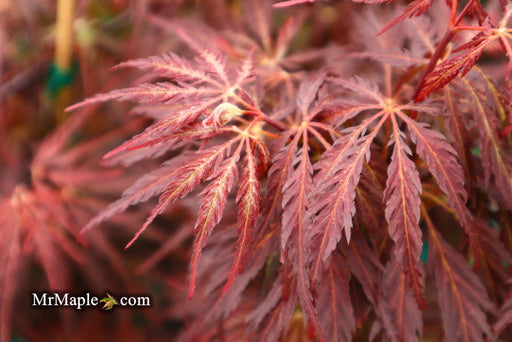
(109, 302)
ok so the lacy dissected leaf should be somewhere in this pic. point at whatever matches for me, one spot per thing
(185, 179)
(295, 190)
(261, 249)
(403, 210)
(443, 164)
(494, 257)
(457, 132)
(214, 198)
(159, 93)
(369, 199)
(154, 140)
(406, 313)
(149, 185)
(363, 87)
(170, 65)
(248, 199)
(333, 301)
(208, 58)
(278, 174)
(461, 296)
(367, 97)
(335, 191)
(367, 269)
(192, 90)
(457, 65)
(496, 160)
(340, 111)
(294, 243)
(414, 9)
(272, 316)
(158, 138)
(308, 91)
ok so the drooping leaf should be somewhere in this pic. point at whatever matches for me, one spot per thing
(185, 179)
(214, 198)
(369, 199)
(442, 163)
(149, 185)
(336, 181)
(457, 133)
(403, 210)
(495, 157)
(367, 269)
(272, 316)
(294, 242)
(278, 174)
(334, 303)
(461, 296)
(406, 313)
(248, 199)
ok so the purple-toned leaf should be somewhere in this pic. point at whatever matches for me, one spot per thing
(159, 93)
(273, 315)
(171, 66)
(185, 179)
(248, 200)
(149, 185)
(461, 296)
(497, 164)
(334, 194)
(156, 136)
(452, 67)
(403, 210)
(443, 164)
(457, 132)
(369, 199)
(406, 313)
(214, 198)
(294, 243)
(333, 301)
(278, 174)
(307, 93)
(361, 86)
(414, 9)
(367, 269)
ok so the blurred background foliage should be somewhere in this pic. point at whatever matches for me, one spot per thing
(51, 181)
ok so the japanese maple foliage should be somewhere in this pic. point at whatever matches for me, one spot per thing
(325, 165)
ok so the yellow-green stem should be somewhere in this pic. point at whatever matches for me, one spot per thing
(64, 34)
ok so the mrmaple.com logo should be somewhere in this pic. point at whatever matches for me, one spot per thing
(65, 299)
